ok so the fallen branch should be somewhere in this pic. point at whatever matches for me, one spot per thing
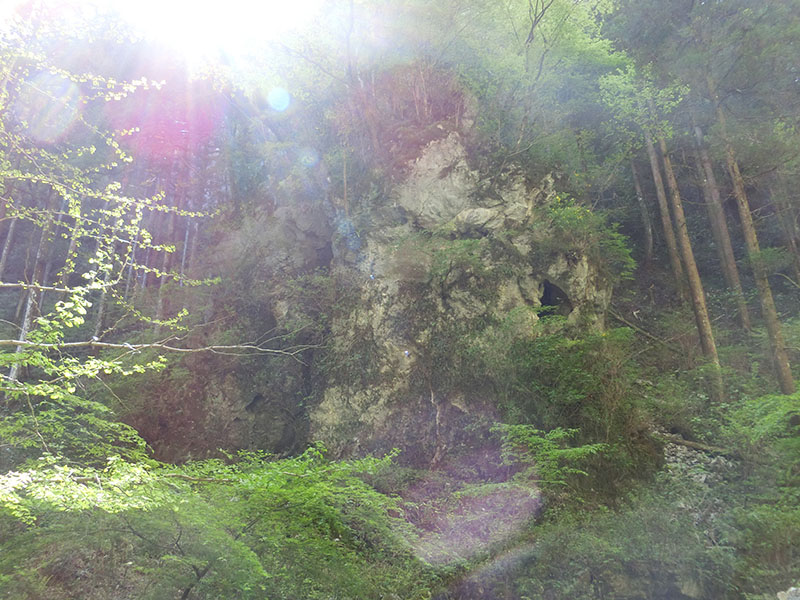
(676, 439)
(644, 332)
(789, 279)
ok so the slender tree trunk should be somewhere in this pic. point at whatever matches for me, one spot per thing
(695, 283)
(101, 309)
(131, 265)
(794, 252)
(786, 221)
(32, 296)
(50, 252)
(10, 233)
(713, 217)
(185, 249)
(191, 260)
(165, 266)
(23, 294)
(344, 184)
(105, 237)
(647, 223)
(666, 221)
(768, 310)
(141, 281)
(69, 261)
(7, 247)
(719, 229)
(10, 188)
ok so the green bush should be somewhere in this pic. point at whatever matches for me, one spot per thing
(547, 458)
(304, 527)
(575, 228)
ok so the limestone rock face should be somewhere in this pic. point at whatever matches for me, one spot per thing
(442, 255)
(439, 184)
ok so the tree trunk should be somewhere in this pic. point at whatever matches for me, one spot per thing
(50, 252)
(7, 247)
(101, 309)
(695, 284)
(165, 266)
(142, 280)
(185, 249)
(26, 276)
(105, 244)
(131, 265)
(794, 252)
(786, 221)
(719, 229)
(768, 310)
(191, 259)
(31, 301)
(666, 221)
(10, 234)
(647, 223)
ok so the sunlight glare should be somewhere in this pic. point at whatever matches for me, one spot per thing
(203, 29)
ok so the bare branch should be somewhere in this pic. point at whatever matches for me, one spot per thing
(37, 287)
(536, 14)
(232, 349)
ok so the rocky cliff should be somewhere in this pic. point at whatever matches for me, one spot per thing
(394, 296)
(444, 259)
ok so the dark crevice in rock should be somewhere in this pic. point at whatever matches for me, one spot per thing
(555, 299)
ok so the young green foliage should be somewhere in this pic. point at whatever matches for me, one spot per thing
(549, 461)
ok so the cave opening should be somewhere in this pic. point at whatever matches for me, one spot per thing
(554, 300)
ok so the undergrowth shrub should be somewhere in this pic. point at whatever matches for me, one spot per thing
(764, 499)
(587, 385)
(255, 527)
(548, 459)
(647, 548)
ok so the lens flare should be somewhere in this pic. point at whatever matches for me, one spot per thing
(279, 99)
(308, 157)
(464, 524)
